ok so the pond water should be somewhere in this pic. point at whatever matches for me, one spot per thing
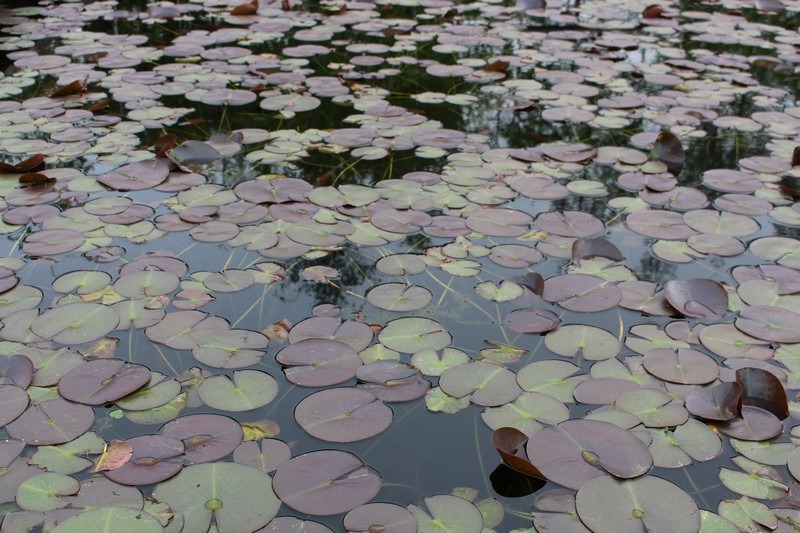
(308, 266)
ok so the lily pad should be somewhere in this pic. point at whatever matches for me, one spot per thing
(648, 503)
(102, 380)
(149, 461)
(589, 342)
(75, 323)
(238, 497)
(448, 512)
(206, 437)
(399, 297)
(343, 415)
(248, 390)
(319, 362)
(325, 482)
(125, 520)
(55, 421)
(412, 334)
(576, 451)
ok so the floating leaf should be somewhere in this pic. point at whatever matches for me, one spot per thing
(238, 497)
(486, 384)
(125, 520)
(248, 390)
(342, 415)
(448, 512)
(206, 437)
(412, 334)
(75, 323)
(648, 503)
(588, 342)
(325, 482)
(576, 451)
(115, 454)
(699, 298)
(46, 492)
(319, 362)
(380, 516)
(52, 422)
(102, 381)
(399, 297)
(148, 460)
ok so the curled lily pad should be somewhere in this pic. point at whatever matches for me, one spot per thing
(575, 451)
(699, 297)
(238, 497)
(325, 482)
(719, 402)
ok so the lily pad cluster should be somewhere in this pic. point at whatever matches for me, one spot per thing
(576, 221)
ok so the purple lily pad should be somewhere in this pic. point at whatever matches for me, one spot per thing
(206, 437)
(575, 451)
(343, 415)
(325, 482)
(149, 461)
(102, 380)
(701, 298)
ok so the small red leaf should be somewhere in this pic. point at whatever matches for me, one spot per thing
(116, 454)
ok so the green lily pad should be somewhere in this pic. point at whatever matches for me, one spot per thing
(648, 503)
(248, 390)
(68, 458)
(157, 392)
(447, 513)
(590, 342)
(486, 384)
(238, 497)
(505, 292)
(756, 480)
(75, 323)
(748, 514)
(431, 363)
(110, 519)
(412, 334)
(46, 492)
